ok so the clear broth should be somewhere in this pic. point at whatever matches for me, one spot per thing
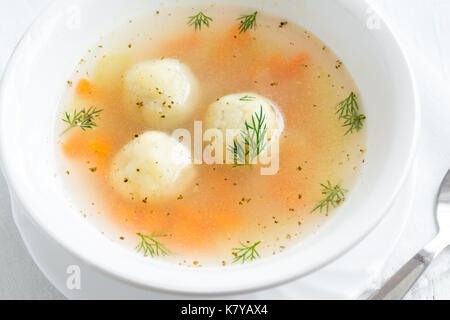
(226, 206)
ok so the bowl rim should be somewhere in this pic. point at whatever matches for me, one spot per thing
(14, 185)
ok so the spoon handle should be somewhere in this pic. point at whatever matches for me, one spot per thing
(401, 282)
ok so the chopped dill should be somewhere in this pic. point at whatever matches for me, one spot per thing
(355, 122)
(150, 246)
(251, 142)
(348, 110)
(247, 98)
(199, 20)
(247, 22)
(333, 196)
(83, 119)
(246, 253)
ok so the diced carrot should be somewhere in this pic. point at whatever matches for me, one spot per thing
(227, 221)
(231, 44)
(84, 88)
(100, 147)
(199, 230)
(295, 65)
(190, 230)
(75, 144)
(234, 35)
(283, 69)
(92, 146)
(235, 40)
(125, 212)
(98, 152)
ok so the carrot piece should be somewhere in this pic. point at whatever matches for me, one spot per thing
(198, 230)
(190, 230)
(99, 151)
(75, 145)
(231, 44)
(125, 212)
(227, 221)
(100, 147)
(295, 64)
(92, 146)
(84, 88)
(282, 69)
(234, 39)
(299, 59)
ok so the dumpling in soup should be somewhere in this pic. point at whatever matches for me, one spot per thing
(154, 164)
(163, 91)
(231, 112)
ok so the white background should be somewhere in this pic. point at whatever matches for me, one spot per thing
(423, 27)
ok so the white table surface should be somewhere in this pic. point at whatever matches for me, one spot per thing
(423, 27)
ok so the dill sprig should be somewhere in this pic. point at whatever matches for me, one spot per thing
(251, 142)
(246, 253)
(150, 246)
(198, 20)
(348, 110)
(83, 119)
(333, 197)
(348, 106)
(247, 98)
(355, 122)
(247, 22)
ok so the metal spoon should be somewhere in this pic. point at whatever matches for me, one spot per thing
(401, 282)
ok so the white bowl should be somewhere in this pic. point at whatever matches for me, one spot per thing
(35, 80)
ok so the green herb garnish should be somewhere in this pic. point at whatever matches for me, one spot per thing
(83, 119)
(246, 253)
(247, 22)
(150, 246)
(333, 197)
(355, 122)
(199, 20)
(247, 98)
(251, 142)
(348, 110)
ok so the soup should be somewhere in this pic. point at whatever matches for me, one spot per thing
(143, 140)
